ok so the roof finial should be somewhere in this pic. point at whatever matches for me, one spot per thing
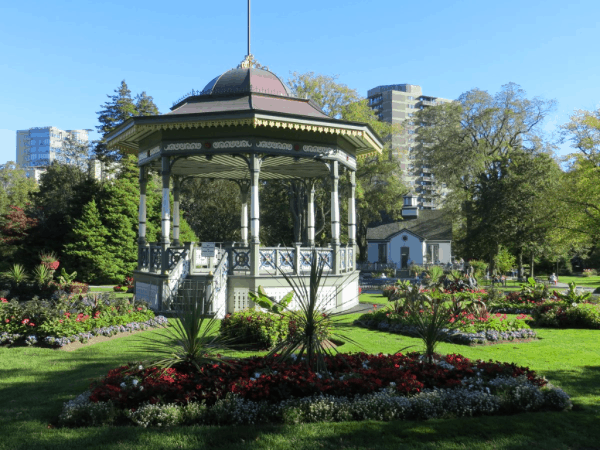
(249, 29)
(249, 62)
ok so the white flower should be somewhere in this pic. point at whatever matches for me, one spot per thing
(574, 304)
(123, 385)
(257, 375)
(141, 367)
(141, 388)
(392, 384)
(135, 382)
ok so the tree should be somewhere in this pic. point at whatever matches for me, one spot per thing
(15, 187)
(379, 188)
(117, 110)
(86, 250)
(212, 209)
(583, 130)
(472, 145)
(75, 153)
(118, 208)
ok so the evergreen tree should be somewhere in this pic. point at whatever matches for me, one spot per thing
(86, 251)
(144, 105)
(118, 209)
(117, 110)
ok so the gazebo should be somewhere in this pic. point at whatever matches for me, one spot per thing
(244, 126)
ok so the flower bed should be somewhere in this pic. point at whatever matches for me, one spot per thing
(354, 387)
(562, 314)
(465, 328)
(67, 318)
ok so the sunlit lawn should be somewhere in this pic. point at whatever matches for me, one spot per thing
(34, 382)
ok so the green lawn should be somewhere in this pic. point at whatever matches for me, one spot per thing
(34, 382)
(582, 281)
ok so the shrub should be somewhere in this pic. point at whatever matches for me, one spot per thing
(255, 329)
(560, 314)
(589, 272)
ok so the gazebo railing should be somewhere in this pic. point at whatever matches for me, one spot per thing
(271, 260)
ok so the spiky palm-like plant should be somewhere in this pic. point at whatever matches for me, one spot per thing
(310, 337)
(191, 341)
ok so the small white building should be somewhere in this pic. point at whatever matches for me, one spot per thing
(422, 237)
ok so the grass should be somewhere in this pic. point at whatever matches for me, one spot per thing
(581, 281)
(34, 382)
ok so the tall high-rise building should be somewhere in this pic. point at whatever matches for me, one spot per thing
(39, 146)
(398, 103)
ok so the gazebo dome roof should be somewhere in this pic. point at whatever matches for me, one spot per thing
(244, 81)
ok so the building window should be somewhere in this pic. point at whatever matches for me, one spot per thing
(433, 253)
(382, 257)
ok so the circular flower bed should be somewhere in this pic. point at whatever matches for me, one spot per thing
(354, 387)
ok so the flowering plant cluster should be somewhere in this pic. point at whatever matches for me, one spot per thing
(562, 314)
(68, 315)
(466, 326)
(354, 387)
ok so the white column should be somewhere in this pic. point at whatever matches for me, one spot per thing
(244, 187)
(352, 210)
(254, 204)
(142, 208)
(166, 210)
(310, 214)
(176, 189)
(255, 162)
(335, 204)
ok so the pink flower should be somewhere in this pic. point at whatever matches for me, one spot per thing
(25, 321)
(4, 300)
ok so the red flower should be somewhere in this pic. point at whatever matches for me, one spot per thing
(25, 321)
(4, 300)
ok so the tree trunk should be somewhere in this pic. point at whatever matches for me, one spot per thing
(520, 264)
(531, 267)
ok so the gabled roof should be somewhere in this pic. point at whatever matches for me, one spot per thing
(430, 225)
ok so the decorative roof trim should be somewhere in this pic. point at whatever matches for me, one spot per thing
(117, 141)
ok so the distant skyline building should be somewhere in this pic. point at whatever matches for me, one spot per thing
(39, 146)
(398, 103)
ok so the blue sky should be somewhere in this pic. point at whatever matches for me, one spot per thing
(59, 59)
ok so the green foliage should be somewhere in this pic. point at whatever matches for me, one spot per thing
(16, 274)
(118, 209)
(435, 274)
(504, 260)
(189, 341)
(117, 110)
(254, 329)
(15, 187)
(87, 247)
(479, 267)
(65, 278)
(379, 189)
(270, 304)
(566, 315)
(68, 315)
(502, 178)
(309, 324)
(41, 275)
(573, 295)
(211, 208)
